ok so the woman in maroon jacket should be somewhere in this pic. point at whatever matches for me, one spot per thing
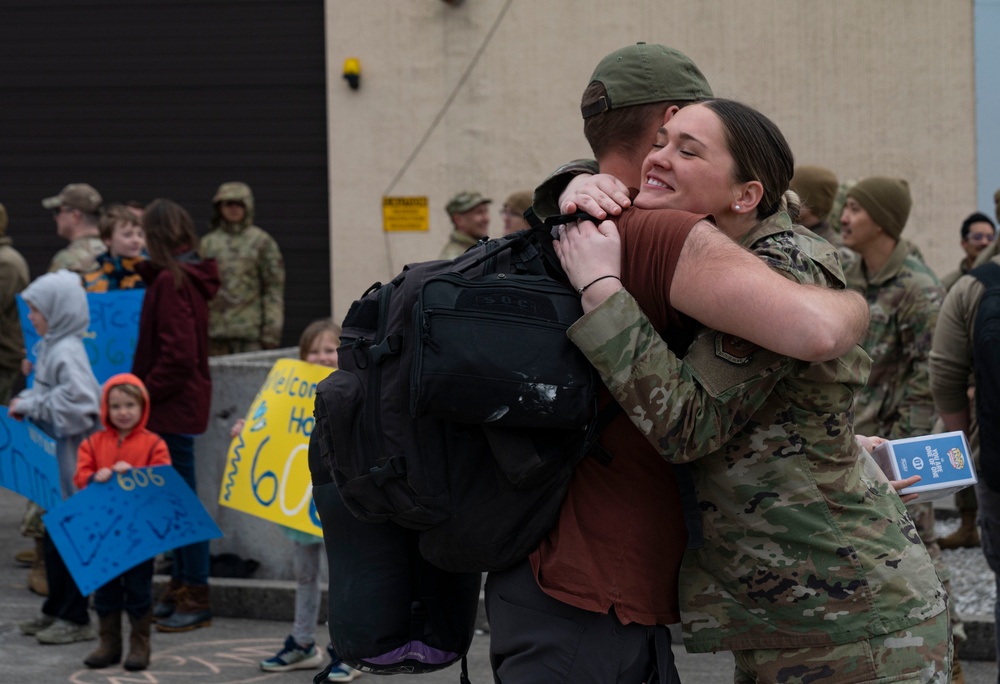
(171, 358)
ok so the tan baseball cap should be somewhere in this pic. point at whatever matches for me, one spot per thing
(77, 195)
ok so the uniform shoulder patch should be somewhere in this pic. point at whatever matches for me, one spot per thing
(734, 349)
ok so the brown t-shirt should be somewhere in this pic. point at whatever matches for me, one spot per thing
(620, 534)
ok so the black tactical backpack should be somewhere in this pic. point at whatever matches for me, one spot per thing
(986, 363)
(461, 408)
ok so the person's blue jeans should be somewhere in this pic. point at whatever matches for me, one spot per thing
(191, 561)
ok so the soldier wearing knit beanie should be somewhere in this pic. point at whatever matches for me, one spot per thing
(817, 187)
(887, 201)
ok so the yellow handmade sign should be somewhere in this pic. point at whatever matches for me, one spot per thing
(267, 470)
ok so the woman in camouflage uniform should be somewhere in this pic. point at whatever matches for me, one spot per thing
(810, 569)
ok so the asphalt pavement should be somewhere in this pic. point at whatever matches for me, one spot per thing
(229, 650)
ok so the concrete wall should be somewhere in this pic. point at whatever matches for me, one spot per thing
(485, 96)
(235, 381)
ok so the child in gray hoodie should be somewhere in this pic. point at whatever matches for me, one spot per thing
(64, 401)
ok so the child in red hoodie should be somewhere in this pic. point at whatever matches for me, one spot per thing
(124, 443)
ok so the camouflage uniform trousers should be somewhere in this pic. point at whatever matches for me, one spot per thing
(923, 521)
(921, 654)
(221, 346)
(31, 522)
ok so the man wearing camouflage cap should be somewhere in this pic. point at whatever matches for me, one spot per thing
(249, 311)
(13, 279)
(75, 210)
(470, 217)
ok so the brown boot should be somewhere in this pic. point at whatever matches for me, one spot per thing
(164, 606)
(193, 610)
(38, 581)
(966, 536)
(138, 643)
(109, 651)
(25, 558)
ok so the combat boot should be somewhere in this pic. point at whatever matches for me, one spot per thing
(138, 643)
(193, 610)
(966, 536)
(109, 651)
(38, 581)
(164, 607)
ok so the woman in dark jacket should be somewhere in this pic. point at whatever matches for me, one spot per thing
(171, 358)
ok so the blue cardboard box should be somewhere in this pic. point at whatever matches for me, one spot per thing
(942, 461)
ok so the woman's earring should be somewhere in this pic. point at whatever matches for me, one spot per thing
(736, 207)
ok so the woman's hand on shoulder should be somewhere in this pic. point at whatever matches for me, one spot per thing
(591, 256)
(598, 195)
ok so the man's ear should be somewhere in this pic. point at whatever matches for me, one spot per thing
(669, 114)
(747, 197)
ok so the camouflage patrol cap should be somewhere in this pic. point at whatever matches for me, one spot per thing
(643, 74)
(887, 201)
(78, 196)
(233, 191)
(465, 201)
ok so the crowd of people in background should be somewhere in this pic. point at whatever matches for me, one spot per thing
(705, 167)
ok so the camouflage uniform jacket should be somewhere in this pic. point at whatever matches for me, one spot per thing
(250, 304)
(904, 298)
(805, 542)
(79, 256)
(13, 279)
(457, 245)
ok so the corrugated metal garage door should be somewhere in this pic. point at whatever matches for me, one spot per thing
(146, 99)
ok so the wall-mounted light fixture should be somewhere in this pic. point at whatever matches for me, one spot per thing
(352, 72)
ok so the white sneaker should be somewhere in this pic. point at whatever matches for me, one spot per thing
(64, 632)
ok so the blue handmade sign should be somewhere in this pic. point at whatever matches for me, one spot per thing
(28, 461)
(108, 527)
(110, 339)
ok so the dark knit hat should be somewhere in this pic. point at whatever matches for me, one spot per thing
(644, 74)
(887, 201)
(816, 187)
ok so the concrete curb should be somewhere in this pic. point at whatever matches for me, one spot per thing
(275, 600)
(257, 599)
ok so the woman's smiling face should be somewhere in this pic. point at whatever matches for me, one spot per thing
(690, 166)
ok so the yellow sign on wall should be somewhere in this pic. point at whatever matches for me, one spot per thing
(405, 213)
(267, 470)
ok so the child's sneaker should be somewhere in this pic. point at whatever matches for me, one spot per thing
(36, 625)
(339, 670)
(292, 657)
(65, 632)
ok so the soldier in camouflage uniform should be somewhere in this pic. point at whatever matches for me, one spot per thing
(810, 567)
(249, 311)
(470, 220)
(76, 211)
(904, 297)
(817, 187)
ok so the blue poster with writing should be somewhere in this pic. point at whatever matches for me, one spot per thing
(111, 337)
(28, 461)
(108, 527)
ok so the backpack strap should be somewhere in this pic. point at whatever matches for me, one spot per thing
(988, 274)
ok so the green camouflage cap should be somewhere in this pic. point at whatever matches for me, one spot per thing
(465, 201)
(77, 195)
(235, 191)
(643, 74)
